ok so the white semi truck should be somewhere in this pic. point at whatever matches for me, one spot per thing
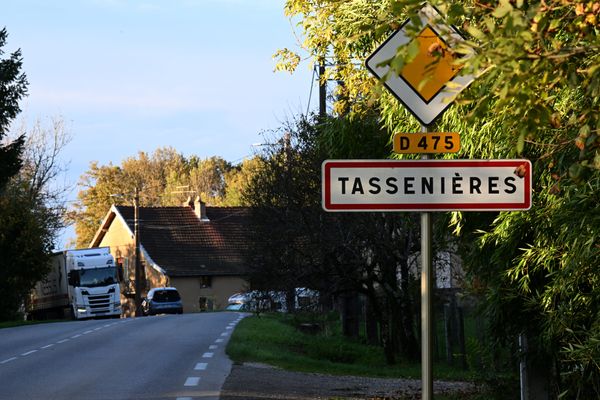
(81, 284)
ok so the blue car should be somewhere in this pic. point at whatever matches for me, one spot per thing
(165, 300)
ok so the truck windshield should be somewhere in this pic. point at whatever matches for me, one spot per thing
(97, 276)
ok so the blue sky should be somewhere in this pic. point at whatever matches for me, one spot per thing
(128, 75)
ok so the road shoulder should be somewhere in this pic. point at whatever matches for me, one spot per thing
(251, 381)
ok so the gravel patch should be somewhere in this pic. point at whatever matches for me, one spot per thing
(254, 381)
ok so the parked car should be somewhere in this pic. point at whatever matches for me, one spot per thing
(304, 299)
(237, 307)
(165, 300)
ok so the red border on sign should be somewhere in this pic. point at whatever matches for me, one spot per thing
(328, 165)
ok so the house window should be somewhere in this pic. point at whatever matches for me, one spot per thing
(205, 281)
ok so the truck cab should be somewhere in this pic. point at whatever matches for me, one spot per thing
(93, 283)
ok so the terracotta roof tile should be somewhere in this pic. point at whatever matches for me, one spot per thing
(183, 245)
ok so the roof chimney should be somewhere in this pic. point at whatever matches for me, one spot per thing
(189, 202)
(200, 209)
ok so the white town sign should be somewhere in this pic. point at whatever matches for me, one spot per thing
(426, 185)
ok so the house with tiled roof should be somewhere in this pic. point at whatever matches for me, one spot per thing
(199, 250)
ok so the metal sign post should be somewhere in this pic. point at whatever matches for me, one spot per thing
(427, 86)
(427, 279)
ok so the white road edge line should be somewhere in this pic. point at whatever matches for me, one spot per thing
(46, 346)
(192, 381)
(75, 337)
(183, 398)
(62, 341)
(8, 360)
(86, 332)
(28, 353)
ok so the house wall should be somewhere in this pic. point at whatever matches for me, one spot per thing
(222, 287)
(121, 244)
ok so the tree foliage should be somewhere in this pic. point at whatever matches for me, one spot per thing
(164, 178)
(26, 242)
(537, 96)
(23, 240)
(296, 244)
(30, 206)
(31, 213)
(13, 87)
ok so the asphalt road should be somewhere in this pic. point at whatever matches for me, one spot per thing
(177, 357)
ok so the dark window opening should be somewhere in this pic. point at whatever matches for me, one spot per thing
(205, 281)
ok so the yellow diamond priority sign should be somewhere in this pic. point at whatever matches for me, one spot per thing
(430, 82)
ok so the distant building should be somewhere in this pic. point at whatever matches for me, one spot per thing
(197, 249)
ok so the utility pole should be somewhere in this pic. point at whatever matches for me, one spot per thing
(322, 89)
(138, 264)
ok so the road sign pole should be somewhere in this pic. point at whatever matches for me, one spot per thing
(426, 302)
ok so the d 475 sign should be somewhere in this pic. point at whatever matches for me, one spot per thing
(432, 142)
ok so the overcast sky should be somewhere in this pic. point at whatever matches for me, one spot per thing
(129, 75)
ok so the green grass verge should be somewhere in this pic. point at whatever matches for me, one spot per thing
(269, 339)
(12, 324)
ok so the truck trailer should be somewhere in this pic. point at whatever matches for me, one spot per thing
(81, 284)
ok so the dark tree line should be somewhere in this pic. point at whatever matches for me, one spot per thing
(297, 244)
(30, 213)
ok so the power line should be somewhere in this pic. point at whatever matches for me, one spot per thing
(312, 84)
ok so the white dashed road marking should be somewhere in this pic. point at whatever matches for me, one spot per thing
(219, 341)
(224, 333)
(208, 355)
(200, 366)
(62, 341)
(213, 347)
(183, 398)
(192, 381)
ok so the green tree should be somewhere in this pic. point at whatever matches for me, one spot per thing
(164, 178)
(238, 179)
(207, 178)
(297, 244)
(13, 87)
(99, 184)
(536, 96)
(23, 244)
(31, 214)
(25, 247)
(105, 185)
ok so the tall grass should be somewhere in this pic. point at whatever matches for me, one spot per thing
(273, 339)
